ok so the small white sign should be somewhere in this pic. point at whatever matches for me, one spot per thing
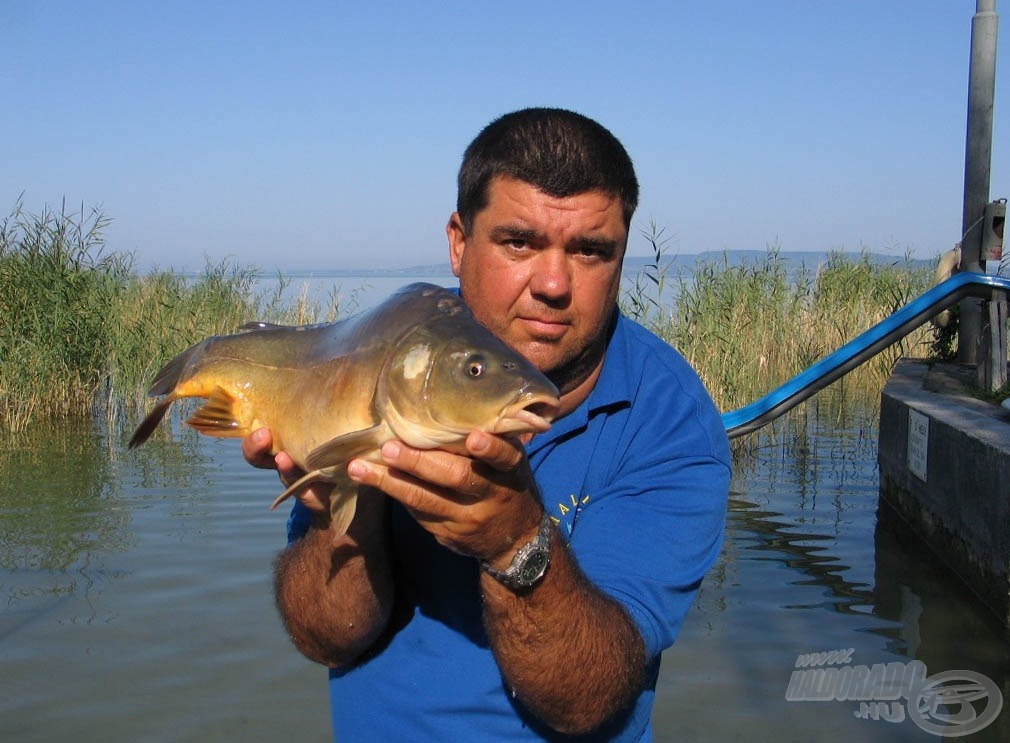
(918, 443)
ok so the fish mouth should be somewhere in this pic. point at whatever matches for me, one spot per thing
(530, 412)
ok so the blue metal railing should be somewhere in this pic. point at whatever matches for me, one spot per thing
(859, 349)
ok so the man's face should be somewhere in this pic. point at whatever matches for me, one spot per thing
(543, 273)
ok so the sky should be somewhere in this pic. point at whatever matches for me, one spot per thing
(321, 135)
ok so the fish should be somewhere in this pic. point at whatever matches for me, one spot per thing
(418, 368)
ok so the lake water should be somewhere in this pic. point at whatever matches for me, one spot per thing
(350, 294)
(136, 605)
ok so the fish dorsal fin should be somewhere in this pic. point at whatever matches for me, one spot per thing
(217, 416)
(341, 450)
(259, 325)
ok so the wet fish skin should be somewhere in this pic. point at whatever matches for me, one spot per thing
(418, 368)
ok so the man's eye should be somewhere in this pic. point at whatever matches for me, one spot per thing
(592, 253)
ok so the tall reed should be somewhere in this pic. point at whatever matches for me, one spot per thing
(747, 328)
(160, 313)
(163, 312)
(81, 330)
(56, 288)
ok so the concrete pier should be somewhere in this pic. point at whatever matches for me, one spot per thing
(944, 460)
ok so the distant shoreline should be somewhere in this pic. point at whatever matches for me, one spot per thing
(792, 259)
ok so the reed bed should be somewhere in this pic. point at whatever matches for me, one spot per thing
(748, 328)
(81, 332)
(55, 290)
(162, 312)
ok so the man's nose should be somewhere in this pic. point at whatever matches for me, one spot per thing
(552, 279)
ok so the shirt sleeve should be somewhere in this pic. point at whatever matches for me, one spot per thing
(299, 521)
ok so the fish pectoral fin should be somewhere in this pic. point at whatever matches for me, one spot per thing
(216, 417)
(341, 450)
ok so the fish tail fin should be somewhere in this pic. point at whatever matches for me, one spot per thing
(147, 426)
(169, 375)
(217, 416)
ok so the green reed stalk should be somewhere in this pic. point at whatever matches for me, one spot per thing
(55, 290)
(749, 328)
(80, 330)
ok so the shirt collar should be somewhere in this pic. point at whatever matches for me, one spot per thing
(613, 388)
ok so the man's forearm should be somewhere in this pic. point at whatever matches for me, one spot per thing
(568, 652)
(335, 598)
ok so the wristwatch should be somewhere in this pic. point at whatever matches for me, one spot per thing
(530, 562)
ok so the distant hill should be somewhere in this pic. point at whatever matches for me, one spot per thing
(793, 260)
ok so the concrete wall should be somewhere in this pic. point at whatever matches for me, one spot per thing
(944, 462)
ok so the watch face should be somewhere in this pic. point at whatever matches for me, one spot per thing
(534, 566)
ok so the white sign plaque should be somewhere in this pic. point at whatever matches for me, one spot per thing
(918, 443)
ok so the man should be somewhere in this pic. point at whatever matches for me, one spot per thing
(435, 612)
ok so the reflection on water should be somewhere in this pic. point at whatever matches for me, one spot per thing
(58, 498)
(150, 570)
(814, 563)
(136, 595)
(60, 512)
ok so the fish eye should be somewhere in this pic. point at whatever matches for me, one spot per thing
(475, 367)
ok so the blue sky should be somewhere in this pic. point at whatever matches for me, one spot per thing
(328, 134)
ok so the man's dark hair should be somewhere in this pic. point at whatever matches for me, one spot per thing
(560, 152)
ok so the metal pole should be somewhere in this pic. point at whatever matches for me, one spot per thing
(977, 160)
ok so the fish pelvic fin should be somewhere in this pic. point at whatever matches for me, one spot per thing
(147, 426)
(217, 416)
(329, 464)
(343, 504)
(298, 485)
(343, 498)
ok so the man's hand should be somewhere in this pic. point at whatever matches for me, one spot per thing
(483, 504)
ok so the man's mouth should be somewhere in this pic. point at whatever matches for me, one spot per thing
(545, 328)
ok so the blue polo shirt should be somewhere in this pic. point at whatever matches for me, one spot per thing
(637, 479)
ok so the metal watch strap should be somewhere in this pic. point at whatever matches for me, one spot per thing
(530, 561)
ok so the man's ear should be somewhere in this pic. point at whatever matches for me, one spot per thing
(457, 242)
